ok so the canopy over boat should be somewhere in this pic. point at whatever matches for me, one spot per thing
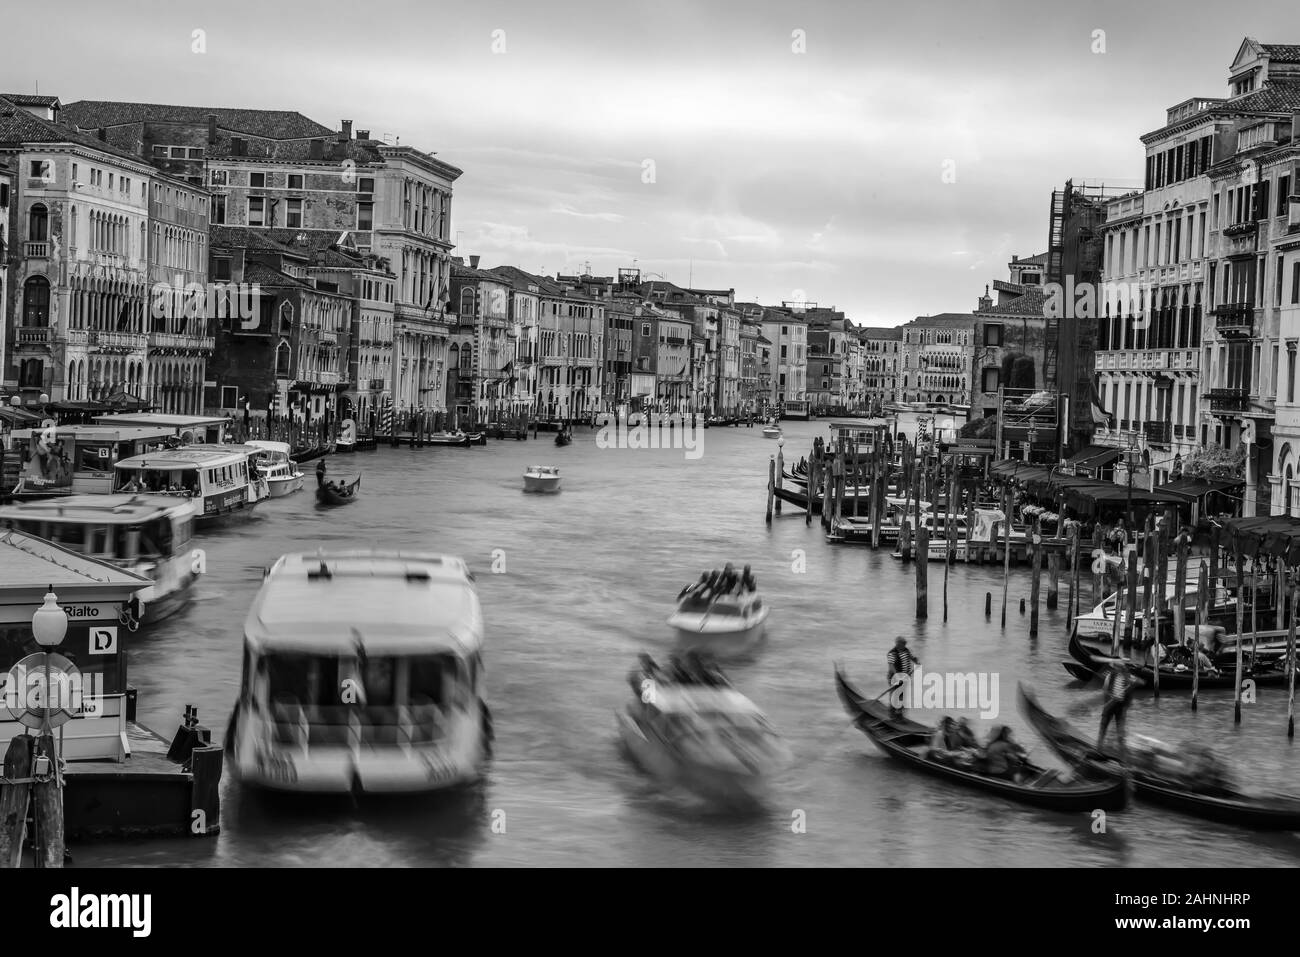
(280, 448)
(700, 699)
(115, 509)
(380, 602)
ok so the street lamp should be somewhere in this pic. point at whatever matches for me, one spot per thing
(49, 626)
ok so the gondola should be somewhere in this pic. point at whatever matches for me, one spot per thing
(326, 495)
(1226, 805)
(908, 742)
(1087, 664)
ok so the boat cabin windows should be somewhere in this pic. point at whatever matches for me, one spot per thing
(96, 457)
(158, 480)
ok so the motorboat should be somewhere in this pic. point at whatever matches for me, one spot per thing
(722, 625)
(771, 432)
(542, 478)
(457, 439)
(145, 534)
(363, 674)
(857, 529)
(283, 477)
(700, 734)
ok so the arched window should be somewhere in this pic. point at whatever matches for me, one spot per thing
(38, 224)
(286, 318)
(36, 302)
(1287, 491)
(282, 355)
(467, 302)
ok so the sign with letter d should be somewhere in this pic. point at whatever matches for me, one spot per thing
(103, 640)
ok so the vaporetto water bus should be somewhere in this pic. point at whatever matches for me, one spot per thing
(148, 535)
(78, 459)
(362, 673)
(218, 477)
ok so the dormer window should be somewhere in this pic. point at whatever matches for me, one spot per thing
(1242, 85)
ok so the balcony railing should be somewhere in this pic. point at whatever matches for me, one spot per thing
(378, 385)
(36, 250)
(1157, 433)
(171, 340)
(1228, 401)
(1240, 229)
(329, 339)
(34, 335)
(1235, 320)
(122, 342)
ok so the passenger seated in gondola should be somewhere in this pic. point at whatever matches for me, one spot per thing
(965, 736)
(1003, 757)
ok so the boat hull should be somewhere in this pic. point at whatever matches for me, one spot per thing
(724, 784)
(366, 769)
(280, 487)
(720, 641)
(541, 484)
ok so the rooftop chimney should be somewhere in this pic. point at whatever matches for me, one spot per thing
(102, 133)
(212, 127)
(986, 302)
(238, 146)
(363, 134)
(317, 148)
(345, 133)
(473, 262)
(1015, 258)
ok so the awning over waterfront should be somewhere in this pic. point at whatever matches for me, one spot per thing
(1097, 492)
(1093, 457)
(1272, 534)
(1193, 489)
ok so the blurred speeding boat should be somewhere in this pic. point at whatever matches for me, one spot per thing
(722, 625)
(363, 673)
(698, 732)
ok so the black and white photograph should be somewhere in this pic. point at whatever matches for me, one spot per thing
(674, 436)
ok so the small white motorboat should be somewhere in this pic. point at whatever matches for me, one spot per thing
(542, 478)
(771, 432)
(725, 626)
(283, 477)
(707, 738)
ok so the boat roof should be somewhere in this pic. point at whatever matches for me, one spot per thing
(103, 433)
(187, 456)
(97, 509)
(393, 602)
(542, 468)
(27, 561)
(162, 419)
(270, 446)
(675, 699)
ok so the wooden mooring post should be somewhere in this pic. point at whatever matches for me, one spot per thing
(15, 799)
(771, 488)
(47, 802)
(922, 566)
(1035, 577)
(1053, 578)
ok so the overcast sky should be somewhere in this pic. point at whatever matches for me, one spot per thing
(816, 176)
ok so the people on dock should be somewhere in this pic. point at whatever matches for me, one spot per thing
(1117, 692)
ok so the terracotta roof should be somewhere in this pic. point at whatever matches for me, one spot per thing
(941, 318)
(19, 126)
(879, 332)
(1030, 304)
(31, 99)
(1282, 52)
(263, 275)
(520, 279)
(1274, 98)
(1039, 260)
(269, 124)
(244, 237)
(362, 152)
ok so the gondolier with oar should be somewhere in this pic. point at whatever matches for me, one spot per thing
(1117, 691)
(901, 663)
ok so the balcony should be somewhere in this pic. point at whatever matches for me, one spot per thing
(1228, 401)
(180, 343)
(1235, 320)
(36, 250)
(34, 335)
(1237, 230)
(378, 385)
(1157, 433)
(329, 339)
(122, 342)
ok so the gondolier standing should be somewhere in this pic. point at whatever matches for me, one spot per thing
(1117, 691)
(902, 662)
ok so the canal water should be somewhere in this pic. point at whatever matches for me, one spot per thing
(584, 581)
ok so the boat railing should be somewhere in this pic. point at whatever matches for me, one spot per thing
(356, 725)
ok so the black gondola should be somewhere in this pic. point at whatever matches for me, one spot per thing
(308, 454)
(1224, 804)
(908, 742)
(1172, 678)
(563, 438)
(327, 494)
